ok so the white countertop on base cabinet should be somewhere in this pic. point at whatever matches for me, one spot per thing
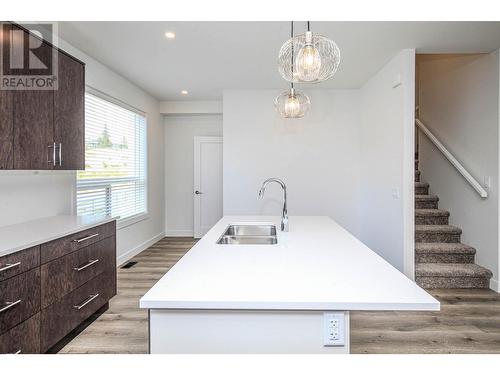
(21, 236)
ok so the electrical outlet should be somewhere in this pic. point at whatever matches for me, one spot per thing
(333, 329)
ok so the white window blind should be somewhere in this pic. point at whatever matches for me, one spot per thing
(114, 180)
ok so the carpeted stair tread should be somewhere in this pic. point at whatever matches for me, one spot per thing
(421, 184)
(421, 188)
(443, 248)
(451, 270)
(426, 197)
(426, 201)
(437, 229)
(431, 212)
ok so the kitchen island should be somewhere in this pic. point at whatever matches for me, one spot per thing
(290, 297)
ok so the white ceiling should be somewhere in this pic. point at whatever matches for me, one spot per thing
(207, 57)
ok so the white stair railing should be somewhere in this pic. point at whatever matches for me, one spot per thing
(448, 155)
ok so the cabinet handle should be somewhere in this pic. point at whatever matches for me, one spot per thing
(8, 266)
(91, 262)
(53, 147)
(87, 301)
(60, 154)
(9, 305)
(86, 238)
(17, 352)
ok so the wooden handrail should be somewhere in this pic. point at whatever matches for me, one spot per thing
(448, 155)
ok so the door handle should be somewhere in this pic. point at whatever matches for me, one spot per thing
(9, 305)
(60, 154)
(9, 266)
(197, 192)
(53, 147)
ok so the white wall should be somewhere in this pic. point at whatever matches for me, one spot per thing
(29, 195)
(179, 134)
(387, 148)
(459, 104)
(191, 107)
(317, 156)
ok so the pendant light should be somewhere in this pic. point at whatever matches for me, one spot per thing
(316, 57)
(292, 103)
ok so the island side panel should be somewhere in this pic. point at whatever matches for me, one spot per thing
(241, 332)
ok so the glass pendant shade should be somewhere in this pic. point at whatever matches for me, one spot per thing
(292, 104)
(315, 58)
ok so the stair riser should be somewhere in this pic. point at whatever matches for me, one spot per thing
(422, 190)
(426, 204)
(438, 282)
(444, 258)
(431, 220)
(437, 237)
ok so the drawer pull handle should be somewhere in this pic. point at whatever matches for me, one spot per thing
(86, 238)
(9, 266)
(87, 301)
(9, 305)
(90, 263)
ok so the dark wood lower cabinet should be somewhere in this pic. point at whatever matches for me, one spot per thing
(19, 299)
(20, 262)
(42, 304)
(22, 339)
(65, 315)
(69, 272)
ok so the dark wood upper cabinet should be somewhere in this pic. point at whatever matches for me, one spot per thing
(6, 116)
(69, 104)
(6, 130)
(33, 129)
(43, 129)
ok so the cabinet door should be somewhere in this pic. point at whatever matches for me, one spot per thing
(69, 114)
(6, 130)
(34, 125)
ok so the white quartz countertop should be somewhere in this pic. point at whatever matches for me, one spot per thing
(317, 265)
(35, 232)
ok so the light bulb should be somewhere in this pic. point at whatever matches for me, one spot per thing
(308, 63)
(292, 106)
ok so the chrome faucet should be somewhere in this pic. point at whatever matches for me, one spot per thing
(284, 215)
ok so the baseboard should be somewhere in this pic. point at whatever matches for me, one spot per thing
(136, 250)
(495, 285)
(179, 233)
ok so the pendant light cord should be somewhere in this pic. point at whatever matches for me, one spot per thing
(291, 36)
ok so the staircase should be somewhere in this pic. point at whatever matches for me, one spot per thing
(441, 260)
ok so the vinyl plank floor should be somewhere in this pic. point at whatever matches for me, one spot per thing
(469, 320)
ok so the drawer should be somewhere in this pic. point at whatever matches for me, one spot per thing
(62, 317)
(65, 274)
(19, 299)
(23, 338)
(19, 262)
(69, 244)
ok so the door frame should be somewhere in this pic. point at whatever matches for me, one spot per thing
(197, 141)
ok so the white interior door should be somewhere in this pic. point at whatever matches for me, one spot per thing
(207, 190)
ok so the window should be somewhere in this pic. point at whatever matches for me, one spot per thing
(114, 180)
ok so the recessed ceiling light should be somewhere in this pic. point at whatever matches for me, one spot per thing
(184, 92)
(170, 35)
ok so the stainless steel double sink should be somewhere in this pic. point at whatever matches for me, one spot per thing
(248, 234)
